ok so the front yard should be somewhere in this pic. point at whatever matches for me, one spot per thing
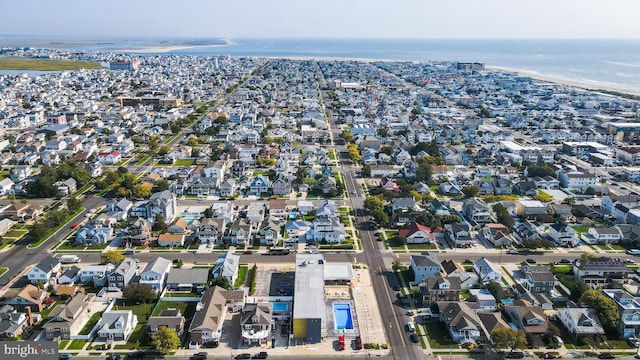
(438, 335)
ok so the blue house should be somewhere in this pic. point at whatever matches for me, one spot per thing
(258, 186)
(94, 234)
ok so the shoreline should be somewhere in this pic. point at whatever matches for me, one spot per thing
(593, 86)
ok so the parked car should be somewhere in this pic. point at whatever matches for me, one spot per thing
(531, 261)
(65, 356)
(414, 338)
(116, 356)
(634, 342)
(515, 355)
(136, 355)
(248, 252)
(199, 356)
(341, 342)
(513, 252)
(243, 356)
(260, 355)
(210, 345)
(548, 356)
(357, 343)
(606, 356)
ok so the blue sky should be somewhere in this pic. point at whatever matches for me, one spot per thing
(323, 18)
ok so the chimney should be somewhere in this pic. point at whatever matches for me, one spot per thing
(29, 316)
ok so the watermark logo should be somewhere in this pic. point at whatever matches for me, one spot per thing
(28, 350)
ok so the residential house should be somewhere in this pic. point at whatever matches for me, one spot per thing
(539, 282)
(69, 276)
(476, 210)
(497, 234)
(12, 322)
(329, 229)
(487, 271)
(440, 288)
(97, 275)
(255, 322)
(327, 185)
(269, 233)
(417, 234)
(171, 240)
(109, 158)
(138, 232)
(492, 321)
(459, 235)
(155, 273)
(483, 299)
(27, 297)
(502, 186)
(24, 212)
(46, 271)
(211, 312)
(563, 234)
(66, 320)
(530, 208)
(241, 232)
(227, 266)
(170, 318)
(580, 322)
(528, 317)
(163, 203)
(424, 266)
(116, 325)
(6, 186)
(629, 309)
(600, 271)
(20, 172)
(403, 205)
(281, 187)
(94, 235)
(605, 236)
(210, 231)
(194, 279)
(228, 188)
(179, 226)
(122, 275)
(463, 323)
(259, 186)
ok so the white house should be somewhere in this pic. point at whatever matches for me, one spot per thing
(227, 266)
(486, 271)
(97, 274)
(46, 271)
(116, 325)
(155, 273)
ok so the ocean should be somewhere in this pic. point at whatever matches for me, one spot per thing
(608, 63)
(597, 63)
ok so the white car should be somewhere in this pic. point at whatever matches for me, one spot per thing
(513, 252)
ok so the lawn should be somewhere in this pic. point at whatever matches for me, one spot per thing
(415, 247)
(137, 340)
(186, 308)
(45, 64)
(438, 335)
(93, 320)
(184, 162)
(45, 313)
(76, 345)
(141, 310)
(3, 270)
(16, 233)
(63, 344)
(242, 275)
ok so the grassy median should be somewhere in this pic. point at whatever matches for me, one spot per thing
(46, 64)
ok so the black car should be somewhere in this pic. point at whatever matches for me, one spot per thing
(199, 356)
(414, 338)
(515, 355)
(606, 356)
(136, 355)
(260, 355)
(116, 356)
(243, 356)
(210, 345)
(531, 261)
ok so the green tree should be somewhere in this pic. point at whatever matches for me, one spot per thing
(590, 191)
(387, 150)
(347, 136)
(471, 191)
(37, 230)
(503, 216)
(161, 185)
(159, 223)
(164, 150)
(138, 293)
(74, 204)
(366, 170)
(112, 257)
(605, 307)
(496, 290)
(165, 340)
(374, 203)
(208, 213)
(543, 196)
(221, 281)
(354, 153)
(142, 190)
(510, 338)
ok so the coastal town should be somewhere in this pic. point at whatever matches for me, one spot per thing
(198, 207)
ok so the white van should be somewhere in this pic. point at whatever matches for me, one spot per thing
(411, 326)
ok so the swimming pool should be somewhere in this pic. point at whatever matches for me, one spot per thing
(342, 316)
(280, 306)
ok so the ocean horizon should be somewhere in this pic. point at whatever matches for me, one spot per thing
(597, 63)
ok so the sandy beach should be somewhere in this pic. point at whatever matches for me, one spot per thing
(583, 84)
